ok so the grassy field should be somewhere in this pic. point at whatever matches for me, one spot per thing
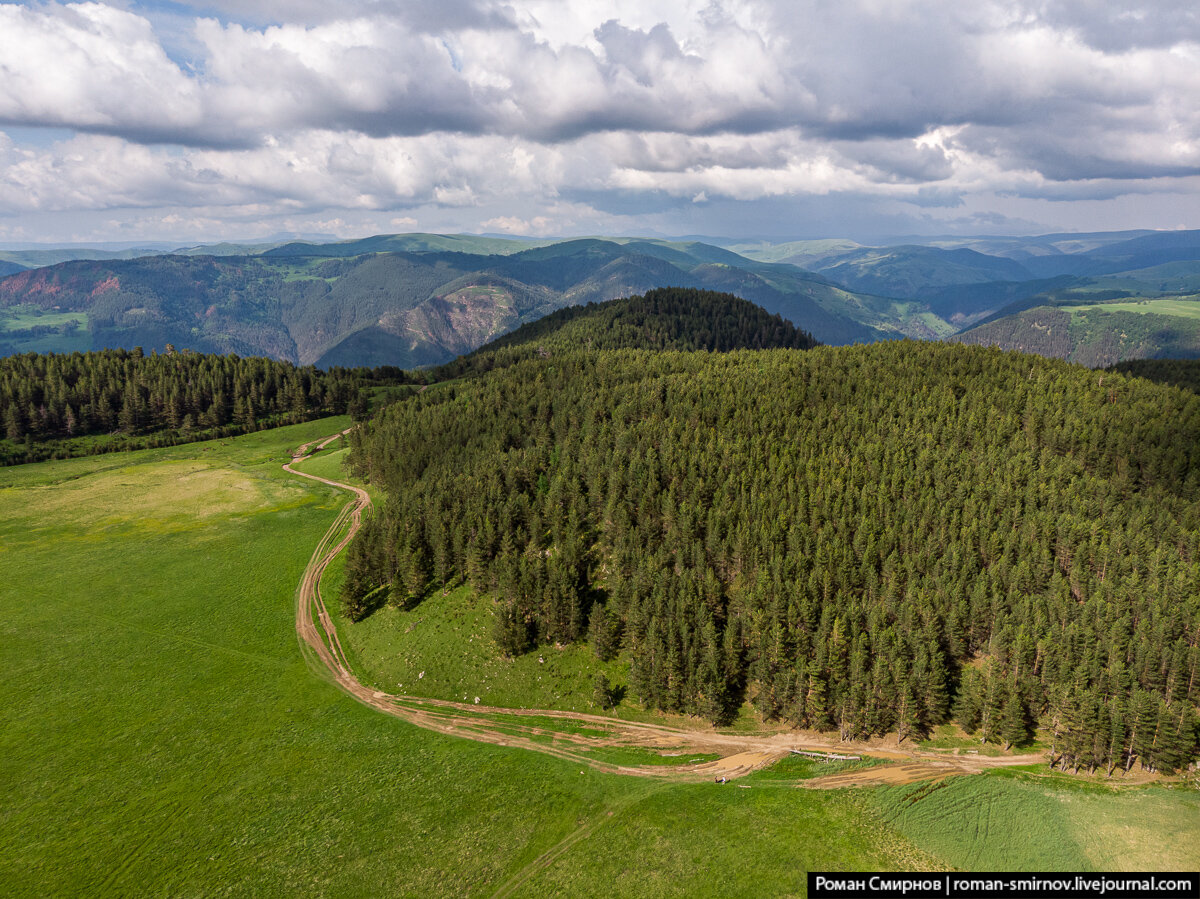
(301, 268)
(162, 734)
(1034, 820)
(16, 318)
(1180, 307)
(444, 648)
(327, 463)
(16, 323)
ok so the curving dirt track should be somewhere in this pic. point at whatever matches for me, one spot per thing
(580, 737)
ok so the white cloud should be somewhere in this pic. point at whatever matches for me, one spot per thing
(367, 108)
(511, 224)
(91, 66)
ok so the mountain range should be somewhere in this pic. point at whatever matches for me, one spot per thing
(422, 299)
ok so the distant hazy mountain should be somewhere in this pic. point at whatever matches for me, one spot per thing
(910, 272)
(406, 243)
(24, 259)
(35, 257)
(367, 303)
(1025, 247)
(946, 285)
(804, 253)
(422, 299)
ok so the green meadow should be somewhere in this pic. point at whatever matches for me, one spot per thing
(18, 318)
(164, 735)
(444, 648)
(1180, 307)
(1036, 819)
(30, 329)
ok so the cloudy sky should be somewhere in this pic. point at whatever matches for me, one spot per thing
(192, 121)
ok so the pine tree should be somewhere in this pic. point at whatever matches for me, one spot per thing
(512, 630)
(1013, 724)
(602, 692)
(14, 427)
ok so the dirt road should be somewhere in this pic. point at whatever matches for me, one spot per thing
(579, 737)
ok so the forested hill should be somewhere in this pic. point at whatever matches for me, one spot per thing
(868, 540)
(670, 318)
(58, 405)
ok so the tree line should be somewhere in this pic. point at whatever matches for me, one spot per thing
(862, 539)
(48, 400)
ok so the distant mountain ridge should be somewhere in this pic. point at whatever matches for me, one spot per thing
(422, 299)
(909, 272)
(366, 303)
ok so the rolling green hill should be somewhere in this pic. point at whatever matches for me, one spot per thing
(909, 272)
(883, 506)
(23, 259)
(164, 735)
(803, 253)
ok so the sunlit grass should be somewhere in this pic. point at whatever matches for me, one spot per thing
(163, 736)
(1182, 307)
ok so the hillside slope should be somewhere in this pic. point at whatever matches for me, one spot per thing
(663, 319)
(1098, 334)
(866, 539)
(908, 272)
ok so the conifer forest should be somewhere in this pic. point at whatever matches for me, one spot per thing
(865, 540)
